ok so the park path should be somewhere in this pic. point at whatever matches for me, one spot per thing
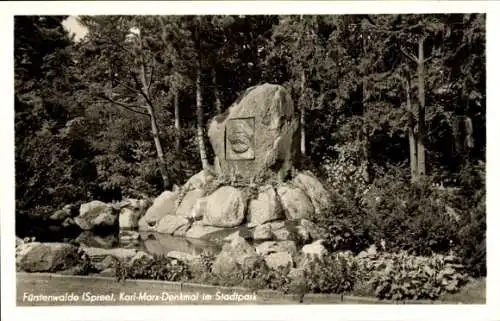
(149, 292)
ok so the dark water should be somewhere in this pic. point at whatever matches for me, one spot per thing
(151, 242)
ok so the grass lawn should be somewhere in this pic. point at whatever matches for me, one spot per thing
(158, 293)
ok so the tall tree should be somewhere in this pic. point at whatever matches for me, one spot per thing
(125, 71)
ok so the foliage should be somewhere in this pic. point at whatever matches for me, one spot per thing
(159, 268)
(342, 227)
(257, 276)
(81, 132)
(471, 244)
(409, 216)
(333, 273)
(400, 276)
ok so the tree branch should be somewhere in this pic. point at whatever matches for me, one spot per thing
(125, 86)
(126, 106)
(410, 56)
(150, 103)
(151, 75)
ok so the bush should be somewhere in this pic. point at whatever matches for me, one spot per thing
(409, 217)
(159, 268)
(471, 202)
(342, 227)
(332, 274)
(400, 276)
(257, 276)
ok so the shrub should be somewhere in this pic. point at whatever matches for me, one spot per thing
(159, 268)
(257, 276)
(409, 217)
(342, 227)
(334, 273)
(400, 276)
(471, 202)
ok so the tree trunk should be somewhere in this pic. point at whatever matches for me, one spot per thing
(302, 113)
(411, 136)
(366, 140)
(218, 105)
(200, 121)
(154, 126)
(421, 110)
(177, 122)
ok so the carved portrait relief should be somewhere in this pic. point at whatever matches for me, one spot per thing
(240, 139)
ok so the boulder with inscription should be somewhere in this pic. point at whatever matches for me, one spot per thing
(257, 135)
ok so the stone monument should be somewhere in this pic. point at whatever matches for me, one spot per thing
(257, 136)
(256, 143)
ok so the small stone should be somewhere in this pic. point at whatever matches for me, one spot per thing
(315, 249)
(278, 260)
(268, 247)
(283, 234)
(109, 272)
(263, 233)
(107, 262)
(182, 256)
(140, 256)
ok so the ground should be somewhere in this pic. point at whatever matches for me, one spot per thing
(48, 284)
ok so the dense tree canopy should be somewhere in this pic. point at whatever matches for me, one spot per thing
(116, 114)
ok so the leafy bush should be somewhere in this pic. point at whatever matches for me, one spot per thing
(332, 274)
(408, 216)
(257, 276)
(159, 268)
(471, 202)
(399, 276)
(342, 227)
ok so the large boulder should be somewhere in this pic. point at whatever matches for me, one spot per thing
(169, 224)
(163, 205)
(236, 253)
(257, 135)
(198, 181)
(296, 204)
(320, 197)
(188, 202)
(224, 208)
(265, 207)
(130, 212)
(96, 214)
(64, 213)
(46, 257)
(98, 254)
